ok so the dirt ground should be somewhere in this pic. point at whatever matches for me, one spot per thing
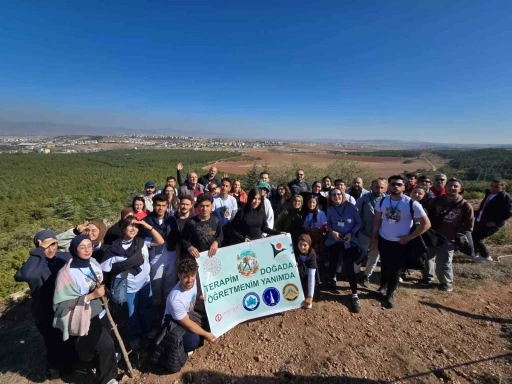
(383, 166)
(430, 337)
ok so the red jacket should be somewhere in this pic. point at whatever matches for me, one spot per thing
(438, 193)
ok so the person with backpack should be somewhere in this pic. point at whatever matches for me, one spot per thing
(394, 218)
(181, 332)
(452, 217)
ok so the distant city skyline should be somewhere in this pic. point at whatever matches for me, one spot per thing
(428, 71)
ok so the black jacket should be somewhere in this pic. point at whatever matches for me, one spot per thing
(113, 233)
(40, 276)
(499, 209)
(168, 230)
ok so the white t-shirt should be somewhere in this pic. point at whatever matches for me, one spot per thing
(489, 198)
(86, 282)
(179, 302)
(396, 217)
(225, 209)
(135, 283)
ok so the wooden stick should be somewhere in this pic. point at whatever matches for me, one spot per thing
(119, 338)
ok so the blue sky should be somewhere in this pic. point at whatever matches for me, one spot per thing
(420, 70)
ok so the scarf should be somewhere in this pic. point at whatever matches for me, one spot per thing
(133, 254)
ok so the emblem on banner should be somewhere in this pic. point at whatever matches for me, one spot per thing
(247, 263)
(271, 296)
(290, 292)
(251, 301)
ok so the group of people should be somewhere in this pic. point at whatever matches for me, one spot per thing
(145, 263)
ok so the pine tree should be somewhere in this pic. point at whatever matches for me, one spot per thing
(251, 177)
(66, 208)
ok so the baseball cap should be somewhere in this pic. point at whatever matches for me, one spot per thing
(440, 176)
(262, 185)
(149, 184)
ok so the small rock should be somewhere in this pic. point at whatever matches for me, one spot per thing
(258, 359)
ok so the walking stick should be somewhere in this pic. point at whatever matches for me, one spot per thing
(118, 337)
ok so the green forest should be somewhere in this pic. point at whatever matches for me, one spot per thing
(58, 191)
(479, 164)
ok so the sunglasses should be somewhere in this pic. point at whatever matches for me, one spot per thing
(428, 182)
(440, 179)
(336, 194)
(396, 184)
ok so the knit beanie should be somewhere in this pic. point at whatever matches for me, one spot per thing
(305, 238)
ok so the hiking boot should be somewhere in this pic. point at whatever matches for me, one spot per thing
(333, 287)
(383, 289)
(389, 301)
(425, 283)
(356, 305)
(480, 259)
(445, 287)
(365, 282)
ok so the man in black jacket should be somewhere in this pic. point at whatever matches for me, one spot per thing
(299, 186)
(494, 210)
(162, 257)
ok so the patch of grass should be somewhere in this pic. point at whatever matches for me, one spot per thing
(469, 274)
(474, 195)
(503, 236)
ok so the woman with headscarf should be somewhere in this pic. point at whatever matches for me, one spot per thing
(290, 220)
(174, 203)
(316, 192)
(250, 223)
(315, 224)
(94, 229)
(127, 263)
(40, 272)
(139, 208)
(239, 194)
(281, 199)
(79, 311)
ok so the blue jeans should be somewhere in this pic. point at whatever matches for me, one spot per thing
(191, 341)
(140, 311)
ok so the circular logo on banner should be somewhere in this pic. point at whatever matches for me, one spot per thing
(218, 318)
(211, 266)
(251, 301)
(271, 296)
(290, 292)
(247, 263)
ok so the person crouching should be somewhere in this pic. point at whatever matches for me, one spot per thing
(306, 263)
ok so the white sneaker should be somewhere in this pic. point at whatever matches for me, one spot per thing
(480, 259)
(190, 353)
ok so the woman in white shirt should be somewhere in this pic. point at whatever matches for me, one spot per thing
(127, 263)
